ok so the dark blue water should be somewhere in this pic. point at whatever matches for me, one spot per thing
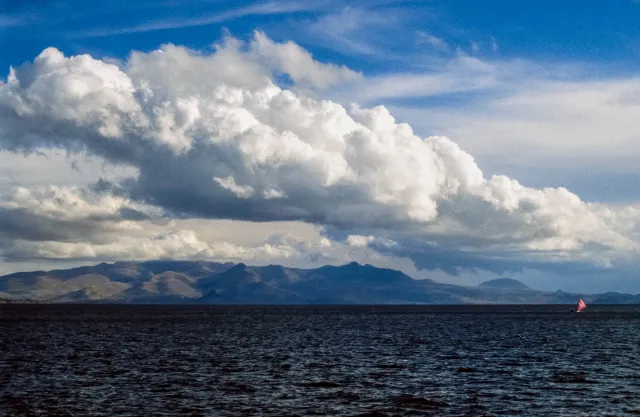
(395, 361)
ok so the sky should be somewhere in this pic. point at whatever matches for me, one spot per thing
(457, 141)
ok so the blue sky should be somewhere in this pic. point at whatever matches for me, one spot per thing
(594, 32)
(543, 92)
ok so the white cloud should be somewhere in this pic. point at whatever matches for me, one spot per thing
(180, 245)
(54, 167)
(98, 228)
(298, 63)
(436, 43)
(196, 126)
(443, 76)
(67, 203)
(541, 123)
(272, 193)
(7, 21)
(241, 191)
(359, 241)
(68, 214)
(259, 9)
(355, 30)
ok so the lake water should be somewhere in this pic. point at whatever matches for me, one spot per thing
(338, 361)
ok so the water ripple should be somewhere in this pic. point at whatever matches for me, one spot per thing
(232, 361)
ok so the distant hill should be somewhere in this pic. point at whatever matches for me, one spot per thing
(227, 283)
(505, 283)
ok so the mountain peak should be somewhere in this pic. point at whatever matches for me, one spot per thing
(505, 283)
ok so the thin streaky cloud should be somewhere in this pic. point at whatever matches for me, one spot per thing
(494, 45)
(356, 31)
(435, 42)
(269, 8)
(7, 21)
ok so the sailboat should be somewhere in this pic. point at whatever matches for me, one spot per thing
(581, 306)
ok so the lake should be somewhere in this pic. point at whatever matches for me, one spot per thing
(336, 361)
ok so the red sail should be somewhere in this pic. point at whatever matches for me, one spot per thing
(581, 305)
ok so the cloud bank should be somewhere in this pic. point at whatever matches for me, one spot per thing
(217, 136)
(72, 224)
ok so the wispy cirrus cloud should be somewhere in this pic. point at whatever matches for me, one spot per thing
(355, 30)
(461, 74)
(534, 121)
(267, 8)
(494, 45)
(371, 32)
(433, 41)
(10, 21)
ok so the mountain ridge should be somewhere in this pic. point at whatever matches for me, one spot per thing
(207, 282)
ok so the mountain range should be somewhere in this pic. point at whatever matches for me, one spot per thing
(229, 283)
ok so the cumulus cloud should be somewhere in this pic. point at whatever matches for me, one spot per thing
(71, 203)
(239, 190)
(67, 224)
(359, 241)
(289, 58)
(179, 245)
(70, 223)
(214, 136)
(66, 214)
